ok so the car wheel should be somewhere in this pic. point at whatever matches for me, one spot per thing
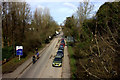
(61, 65)
(53, 66)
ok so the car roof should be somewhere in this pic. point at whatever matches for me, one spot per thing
(60, 50)
(57, 56)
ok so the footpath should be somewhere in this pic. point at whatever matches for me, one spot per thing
(66, 64)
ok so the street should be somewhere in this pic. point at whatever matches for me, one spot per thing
(36, 70)
(58, 39)
(43, 67)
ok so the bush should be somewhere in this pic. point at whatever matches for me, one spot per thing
(30, 45)
(7, 52)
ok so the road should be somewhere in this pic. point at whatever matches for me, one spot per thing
(43, 67)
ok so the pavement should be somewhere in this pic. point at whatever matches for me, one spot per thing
(66, 64)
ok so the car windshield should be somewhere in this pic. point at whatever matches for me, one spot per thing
(57, 59)
(59, 53)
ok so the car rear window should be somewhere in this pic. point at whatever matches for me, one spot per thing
(59, 52)
(57, 59)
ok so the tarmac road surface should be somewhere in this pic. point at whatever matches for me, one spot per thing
(43, 67)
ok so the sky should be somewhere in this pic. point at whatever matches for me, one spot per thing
(59, 10)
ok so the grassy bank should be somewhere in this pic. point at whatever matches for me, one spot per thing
(72, 62)
(11, 65)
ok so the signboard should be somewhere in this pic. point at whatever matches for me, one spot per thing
(19, 50)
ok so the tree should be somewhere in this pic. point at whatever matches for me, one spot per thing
(71, 28)
(15, 18)
(83, 11)
(97, 51)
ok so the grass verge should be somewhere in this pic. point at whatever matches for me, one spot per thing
(72, 62)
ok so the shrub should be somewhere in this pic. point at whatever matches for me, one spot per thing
(7, 52)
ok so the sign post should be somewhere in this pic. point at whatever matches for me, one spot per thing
(19, 51)
(19, 57)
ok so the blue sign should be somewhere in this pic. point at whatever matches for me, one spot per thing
(19, 52)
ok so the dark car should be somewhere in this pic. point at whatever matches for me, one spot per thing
(62, 41)
(61, 47)
(60, 50)
(60, 53)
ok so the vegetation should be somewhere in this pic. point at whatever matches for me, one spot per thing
(21, 27)
(7, 52)
(72, 61)
(97, 43)
(11, 65)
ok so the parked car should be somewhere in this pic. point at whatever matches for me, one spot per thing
(57, 62)
(60, 53)
(62, 39)
(61, 47)
(60, 50)
(62, 44)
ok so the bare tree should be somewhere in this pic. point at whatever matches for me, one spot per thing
(84, 11)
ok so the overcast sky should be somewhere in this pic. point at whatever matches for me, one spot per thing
(59, 10)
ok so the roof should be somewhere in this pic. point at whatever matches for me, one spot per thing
(57, 56)
(60, 50)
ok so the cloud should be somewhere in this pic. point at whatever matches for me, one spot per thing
(61, 13)
(67, 0)
(40, 6)
(57, 0)
(60, 10)
(70, 5)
